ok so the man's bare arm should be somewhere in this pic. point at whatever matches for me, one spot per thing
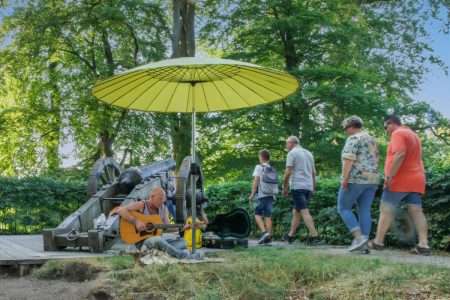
(347, 166)
(254, 187)
(399, 158)
(287, 175)
(314, 180)
(124, 212)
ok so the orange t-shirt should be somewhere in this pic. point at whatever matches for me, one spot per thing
(411, 174)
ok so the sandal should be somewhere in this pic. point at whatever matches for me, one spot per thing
(421, 251)
(375, 246)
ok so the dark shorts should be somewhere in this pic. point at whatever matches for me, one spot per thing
(264, 207)
(300, 199)
(394, 198)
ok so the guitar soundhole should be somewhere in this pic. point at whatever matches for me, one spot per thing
(150, 230)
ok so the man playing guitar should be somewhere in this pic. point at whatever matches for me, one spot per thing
(154, 205)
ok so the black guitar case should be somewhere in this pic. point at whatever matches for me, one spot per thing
(228, 230)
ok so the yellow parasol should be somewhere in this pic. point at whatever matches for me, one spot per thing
(190, 85)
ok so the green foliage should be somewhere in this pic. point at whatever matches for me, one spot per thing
(50, 56)
(227, 196)
(351, 57)
(30, 204)
(437, 208)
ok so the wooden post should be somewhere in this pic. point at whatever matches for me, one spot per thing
(49, 240)
(95, 241)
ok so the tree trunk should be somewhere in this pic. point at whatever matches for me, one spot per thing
(107, 135)
(106, 141)
(291, 110)
(183, 44)
(183, 35)
(52, 136)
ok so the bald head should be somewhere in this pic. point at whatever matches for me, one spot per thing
(157, 197)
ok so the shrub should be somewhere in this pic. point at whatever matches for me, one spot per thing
(225, 197)
(30, 204)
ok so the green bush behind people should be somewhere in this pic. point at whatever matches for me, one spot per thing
(28, 205)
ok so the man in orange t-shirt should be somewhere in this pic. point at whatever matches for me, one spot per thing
(404, 182)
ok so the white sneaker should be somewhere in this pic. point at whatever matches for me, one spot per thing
(358, 244)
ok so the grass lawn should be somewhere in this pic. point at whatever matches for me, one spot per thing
(262, 273)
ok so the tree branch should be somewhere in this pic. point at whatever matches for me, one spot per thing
(439, 136)
(136, 43)
(84, 60)
(122, 118)
(108, 52)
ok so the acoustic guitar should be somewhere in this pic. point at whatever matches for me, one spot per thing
(130, 235)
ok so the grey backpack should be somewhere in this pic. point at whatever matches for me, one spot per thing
(268, 184)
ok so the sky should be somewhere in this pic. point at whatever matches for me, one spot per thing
(435, 88)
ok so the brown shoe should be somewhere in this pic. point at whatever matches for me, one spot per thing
(421, 251)
(375, 246)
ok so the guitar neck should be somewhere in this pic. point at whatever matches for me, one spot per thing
(167, 226)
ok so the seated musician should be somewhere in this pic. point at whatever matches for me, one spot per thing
(154, 205)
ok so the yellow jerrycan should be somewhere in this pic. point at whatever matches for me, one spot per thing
(188, 235)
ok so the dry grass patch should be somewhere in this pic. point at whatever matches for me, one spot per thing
(69, 270)
(265, 273)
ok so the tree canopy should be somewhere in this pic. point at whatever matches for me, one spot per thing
(351, 57)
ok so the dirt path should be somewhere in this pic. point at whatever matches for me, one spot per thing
(399, 256)
(28, 288)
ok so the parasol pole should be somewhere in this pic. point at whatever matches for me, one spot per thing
(193, 185)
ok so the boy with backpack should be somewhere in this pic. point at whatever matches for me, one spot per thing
(265, 187)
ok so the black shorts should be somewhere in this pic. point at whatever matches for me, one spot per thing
(264, 207)
(300, 199)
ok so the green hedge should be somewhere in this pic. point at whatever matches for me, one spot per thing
(30, 204)
(437, 209)
(224, 197)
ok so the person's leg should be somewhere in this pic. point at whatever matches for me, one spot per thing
(268, 223)
(364, 209)
(268, 215)
(264, 211)
(295, 222)
(384, 222)
(259, 212)
(389, 201)
(159, 243)
(296, 215)
(304, 211)
(177, 242)
(346, 201)
(260, 222)
(415, 210)
(309, 222)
